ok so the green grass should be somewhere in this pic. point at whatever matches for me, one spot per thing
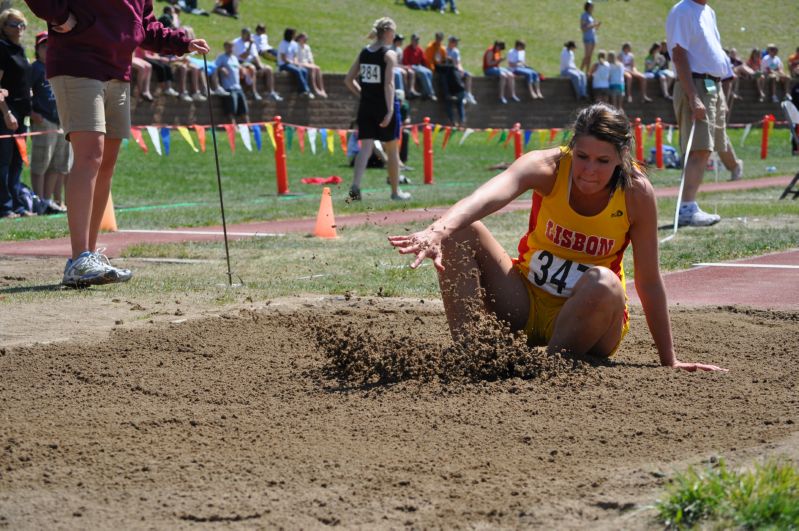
(720, 498)
(152, 192)
(337, 29)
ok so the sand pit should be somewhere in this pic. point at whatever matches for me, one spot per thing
(245, 421)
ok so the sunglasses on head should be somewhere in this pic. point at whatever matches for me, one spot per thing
(17, 24)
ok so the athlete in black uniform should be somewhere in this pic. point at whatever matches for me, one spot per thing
(371, 78)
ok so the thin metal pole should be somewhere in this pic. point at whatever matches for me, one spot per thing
(218, 173)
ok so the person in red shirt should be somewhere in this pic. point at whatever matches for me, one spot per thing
(91, 45)
(413, 56)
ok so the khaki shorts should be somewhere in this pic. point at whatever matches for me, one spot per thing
(710, 133)
(90, 105)
(50, 153)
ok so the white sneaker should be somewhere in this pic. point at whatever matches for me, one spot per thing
(186, 97)
(697, 218)
(470, 98)
(219, 91)
(123, 275)
(400, 196)
(256, 96)
(197, 96)
(275, 96)
(171, 92)
(738, 171)
(86, 270)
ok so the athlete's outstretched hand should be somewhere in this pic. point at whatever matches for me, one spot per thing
(692, 367)
(424, 244)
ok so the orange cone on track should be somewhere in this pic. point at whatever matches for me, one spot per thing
(109, 221)
(325, 221)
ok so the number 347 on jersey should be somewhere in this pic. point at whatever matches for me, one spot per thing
(554, 274)
(370, 73)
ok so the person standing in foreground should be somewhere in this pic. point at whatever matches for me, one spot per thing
(91, 44)
(371, 78)
(567, 288)
(701, 63)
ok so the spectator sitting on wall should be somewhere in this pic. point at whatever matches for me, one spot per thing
(265, 51)
(51, 155)
(435, 54)
(287, 61)
(168, 17)
(616, 81)
(227, 8)
(754, 63)
(569, 69)
(228, 66)
(771, 66)
(454, 56)
(630, 72)
(492, 61)
(793, 63)
(404, 75)
(653, 70)
(246, 51)
(413, 56)
(600, 78)
(305, 58)
(517, 65)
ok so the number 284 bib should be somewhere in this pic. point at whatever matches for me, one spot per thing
(555, 275)
(370, 73)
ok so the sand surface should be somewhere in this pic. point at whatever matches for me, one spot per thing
(329, 412)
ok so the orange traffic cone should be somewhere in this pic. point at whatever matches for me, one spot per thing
(325, 221)
(109, 221)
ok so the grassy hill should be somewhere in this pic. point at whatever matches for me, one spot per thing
(337, 28)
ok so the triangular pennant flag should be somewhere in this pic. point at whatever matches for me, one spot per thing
(669, 134)
(200, 130)
(22, 146)
(527, 134)
(153, 132)
(289, 137)
(342, 136)
(136, 134)
(312, 139)
(747, 129)
(166, 138)
(565, 136)
(231, 136)
(504, 138)
(270, 130)
(447, 134)
(553, 133)
(301, 138)
(323, 136)
(542, 137)
(184, 132)
(436, 129)
(256, 135)
(415, 134)
(244, 132)
(466, 135)
(124, 143)
(491, 134)
(331, 142)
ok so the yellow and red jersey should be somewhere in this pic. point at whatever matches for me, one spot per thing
(560, 244)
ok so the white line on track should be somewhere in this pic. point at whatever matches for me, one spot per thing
(762, 266)
(201, 232)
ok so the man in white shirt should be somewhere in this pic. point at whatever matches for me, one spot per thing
(246, 51)
(771, 66)
(701, 63)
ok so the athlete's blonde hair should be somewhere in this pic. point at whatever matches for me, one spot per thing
(381, 26)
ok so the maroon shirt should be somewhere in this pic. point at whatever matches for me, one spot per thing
(101, 45)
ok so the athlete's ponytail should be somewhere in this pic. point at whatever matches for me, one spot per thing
(609, 124)
(381, 26)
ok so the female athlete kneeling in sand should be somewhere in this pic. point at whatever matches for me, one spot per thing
(566, 289)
